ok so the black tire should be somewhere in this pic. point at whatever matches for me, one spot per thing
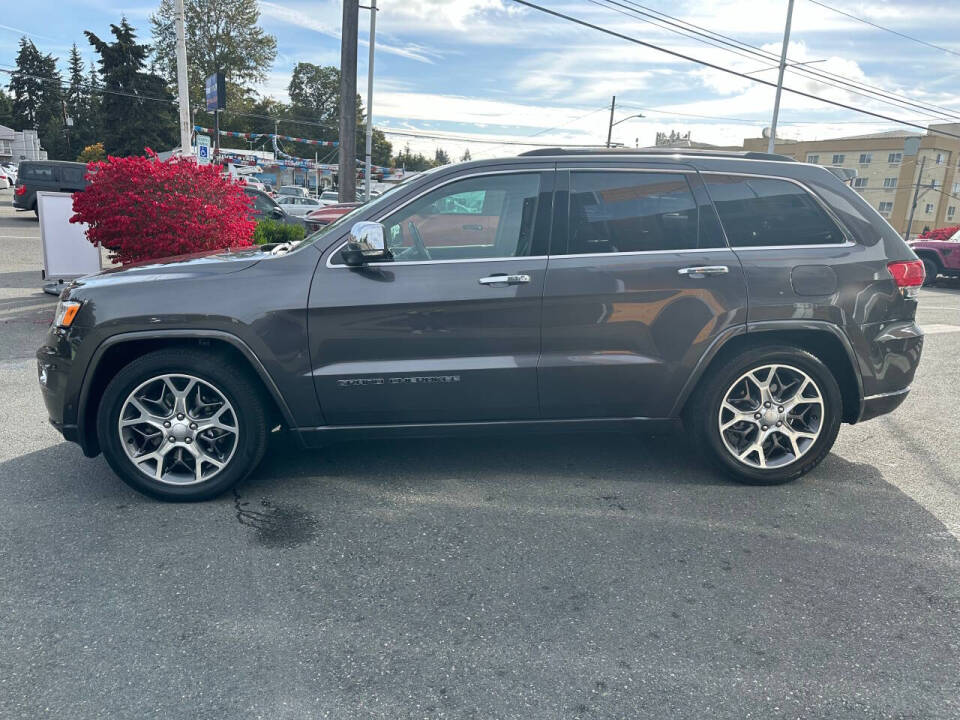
(932, 269)
(235, 384)
(702, 418)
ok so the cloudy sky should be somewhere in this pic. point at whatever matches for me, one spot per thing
(494, 70)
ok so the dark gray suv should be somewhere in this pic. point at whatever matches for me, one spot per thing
(758, 299)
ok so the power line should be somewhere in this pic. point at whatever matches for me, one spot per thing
(455, 138)
(709, 37)
(557, 127)
(714, 66)
(772, 57)
(885, 29)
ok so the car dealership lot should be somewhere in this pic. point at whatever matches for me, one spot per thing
(558, 576)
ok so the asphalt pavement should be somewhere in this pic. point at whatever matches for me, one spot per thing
(539, 577)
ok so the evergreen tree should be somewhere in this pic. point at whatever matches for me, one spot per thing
(466, 156)
(6, 109)
(137, 109)
(37, 98)
(440, 157)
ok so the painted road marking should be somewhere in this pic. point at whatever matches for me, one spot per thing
(938, 329)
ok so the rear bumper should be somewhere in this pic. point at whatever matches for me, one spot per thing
(894, 354)
(876, 405)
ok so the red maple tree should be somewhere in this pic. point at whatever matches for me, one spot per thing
(142, 208)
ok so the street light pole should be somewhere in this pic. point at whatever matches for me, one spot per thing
(183, 93)
(368, 165)
(613, 105)
(783, 66)
(916, 194)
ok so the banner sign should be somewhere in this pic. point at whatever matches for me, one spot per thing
(215, 90)
(254, 136)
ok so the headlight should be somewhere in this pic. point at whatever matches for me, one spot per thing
(66, 312)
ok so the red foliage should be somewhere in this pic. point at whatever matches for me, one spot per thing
(142, 209)
(940, 233)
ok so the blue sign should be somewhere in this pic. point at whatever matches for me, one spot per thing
(204, 152)
(215, 89)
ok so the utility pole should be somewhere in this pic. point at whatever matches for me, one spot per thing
(367, 164)
(613, 104)
(783, 66)
(916, 194)
(347, 166)
(183, 93)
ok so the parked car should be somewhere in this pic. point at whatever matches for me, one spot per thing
(54, 175)
(295, 190)
(269, 189)
(317, 219)
(5, 180)
(11, 171)
(296, 205)
(329, 197)
(253, 183)
(940, 257)
(759, 300)
(265, 207)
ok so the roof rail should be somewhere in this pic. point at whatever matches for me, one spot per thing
(699, 152)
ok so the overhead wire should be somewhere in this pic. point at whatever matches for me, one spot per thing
(728, 71)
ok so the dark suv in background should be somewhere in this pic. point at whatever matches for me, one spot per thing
(50, 175)
(758, 299)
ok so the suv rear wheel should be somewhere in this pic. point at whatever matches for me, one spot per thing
(181, 425)
(768, 415)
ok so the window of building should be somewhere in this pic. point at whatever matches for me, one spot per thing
(934, 183)
(479, 217)
(894, 158)
(813, 158)
(939, 158)
(890, 182)
(951, 211)
(764, 212)
(928, 208)
(865, 158)
(956, 188)
(632, 212)
(885, 208)
(838, 159)
(860, 182)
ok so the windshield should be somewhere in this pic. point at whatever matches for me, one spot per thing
(350, 217)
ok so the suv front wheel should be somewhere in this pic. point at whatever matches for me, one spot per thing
(182, 425)
(768, 415)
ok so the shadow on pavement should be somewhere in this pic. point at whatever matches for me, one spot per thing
(23, 279)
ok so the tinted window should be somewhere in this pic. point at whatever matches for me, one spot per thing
(480, 217)
(36, 172)
(762, 212)
(631, 211)
(72, 176)
(261, 203)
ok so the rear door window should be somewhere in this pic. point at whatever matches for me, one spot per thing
(37, 173)
(767, 212)
(613, 212)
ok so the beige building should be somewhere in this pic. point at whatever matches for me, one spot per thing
(888, 170)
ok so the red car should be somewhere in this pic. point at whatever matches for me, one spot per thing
(940, 257)
(326, 215)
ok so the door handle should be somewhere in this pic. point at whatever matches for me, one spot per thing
(478, 228)
(504, 280)
(703, 270)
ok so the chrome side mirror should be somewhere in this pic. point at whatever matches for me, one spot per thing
(366, 244)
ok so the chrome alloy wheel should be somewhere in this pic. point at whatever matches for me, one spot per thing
(771, 416)
(178, 429)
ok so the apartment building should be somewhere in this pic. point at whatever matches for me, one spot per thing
(888, 170)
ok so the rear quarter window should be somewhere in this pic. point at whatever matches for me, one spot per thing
(37, 172)
(767, 212)
(72, 176)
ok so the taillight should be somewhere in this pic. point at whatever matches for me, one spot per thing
(21, 190)
(908, 275)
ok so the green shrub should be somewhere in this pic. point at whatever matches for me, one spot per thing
(274, 231)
